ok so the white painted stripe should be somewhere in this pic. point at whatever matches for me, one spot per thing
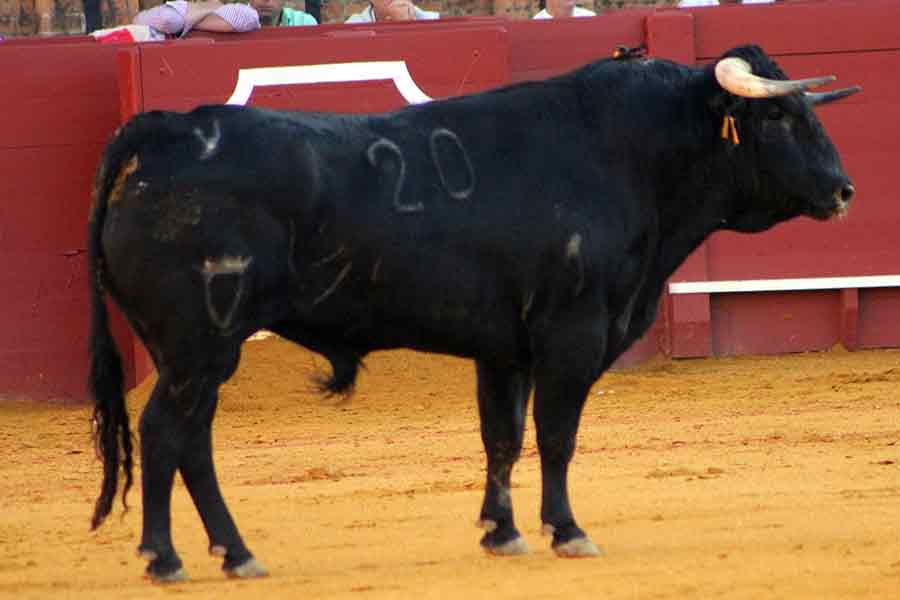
(394, 70)
(783, 285)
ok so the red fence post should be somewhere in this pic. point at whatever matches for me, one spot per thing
(850, 319)
(670, 34)
(131, 98)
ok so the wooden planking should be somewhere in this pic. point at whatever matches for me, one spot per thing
(68, 94)
(51, 373)
(179, 78)
(879, 326)
(45, 296)
(45, 323)
(864, 68)
(803, 248)
(670, 35)
(47, 194)
(543, 48)
(775, 323)
(846, 247)
(58, 113)
(799, 27)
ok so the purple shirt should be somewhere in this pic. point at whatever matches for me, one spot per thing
(170, 18)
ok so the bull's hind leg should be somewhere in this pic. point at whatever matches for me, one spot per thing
(502, 398)
(565, 370)
(162, 440)
(176, 434)
(199, 476)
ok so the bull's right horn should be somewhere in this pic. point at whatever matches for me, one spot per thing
(736, 76)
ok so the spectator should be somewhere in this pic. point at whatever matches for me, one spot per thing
(392, 10)
(557, 9)
(695, 3)
(273, 13)
(177, 18)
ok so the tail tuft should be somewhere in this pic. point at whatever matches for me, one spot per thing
(344, 369)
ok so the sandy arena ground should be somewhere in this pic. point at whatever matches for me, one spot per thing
(747, 478)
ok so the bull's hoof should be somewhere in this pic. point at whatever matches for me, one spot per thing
(570, 541)
(501, 542)
(580, 547)
(513, 547)
(246, 570)
(165, 569)
(176, 576)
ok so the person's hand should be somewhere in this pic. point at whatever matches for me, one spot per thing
(197, 11)
(207, 5)
(399, 10)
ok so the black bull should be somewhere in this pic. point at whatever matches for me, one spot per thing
(530, 228)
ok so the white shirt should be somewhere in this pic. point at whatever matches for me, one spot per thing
(694, 3)
(368, 15)
(576, 12)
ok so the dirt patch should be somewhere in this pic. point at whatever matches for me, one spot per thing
(743, 478)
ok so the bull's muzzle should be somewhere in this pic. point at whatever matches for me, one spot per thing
(842, 197)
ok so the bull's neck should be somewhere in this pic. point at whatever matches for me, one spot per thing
(668, 134)
(697, 188)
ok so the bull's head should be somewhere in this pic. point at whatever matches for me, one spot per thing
(769, 120)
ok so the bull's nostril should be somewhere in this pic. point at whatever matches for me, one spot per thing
(846, 193)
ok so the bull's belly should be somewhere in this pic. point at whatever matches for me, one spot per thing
(396, 294)
(372, 322)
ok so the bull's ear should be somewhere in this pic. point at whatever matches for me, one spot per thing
(723, 103)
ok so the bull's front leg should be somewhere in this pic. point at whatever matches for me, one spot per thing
(556, 415)
(502, 398)
(567, 364)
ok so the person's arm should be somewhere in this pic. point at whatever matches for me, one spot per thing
(212, 15)
(202, 16)
(178, 18)
(165, 18)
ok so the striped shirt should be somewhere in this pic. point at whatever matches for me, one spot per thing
(170, 19)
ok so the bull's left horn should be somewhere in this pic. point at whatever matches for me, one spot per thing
(736, 75)
(817, 98)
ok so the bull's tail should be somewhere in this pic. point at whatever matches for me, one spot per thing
(112, 435)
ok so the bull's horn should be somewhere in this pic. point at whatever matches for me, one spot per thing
(816, 98)
(736, 75)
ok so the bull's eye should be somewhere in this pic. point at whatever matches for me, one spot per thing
(775, 114)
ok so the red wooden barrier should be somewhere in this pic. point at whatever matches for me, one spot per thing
(866, 129)
(178, 77)
(60, 103)
(61, 108)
